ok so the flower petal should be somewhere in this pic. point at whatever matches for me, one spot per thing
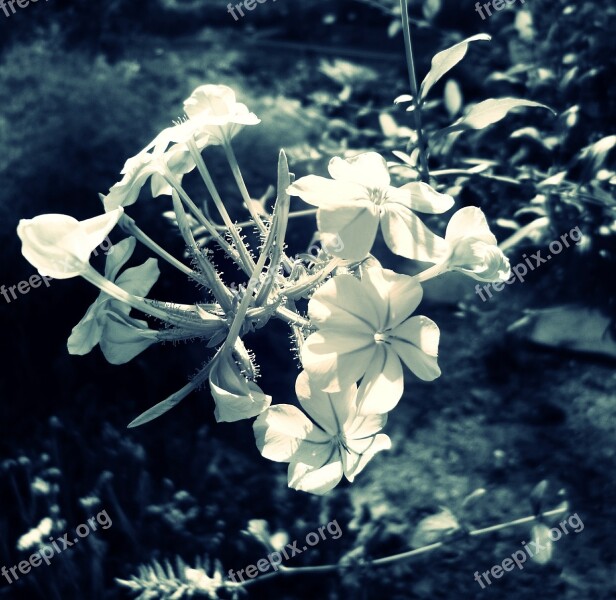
(334, 360)
(315, 480)
(341, 302)
(329, 411)
(321, 191)
(469, 222)
(480, 261)
(368, 169)
(382, 385)
(354, 463)
(416, 343)
(421, 197)
(235, 407)
(125, 192)
(123, 337)
(284, 433)
(394, 296)
(407, 236)
(118, 256)
(353, 226)
(236, 398)
(139, 280)
(87, 333)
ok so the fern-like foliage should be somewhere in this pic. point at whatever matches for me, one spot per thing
(164, 582)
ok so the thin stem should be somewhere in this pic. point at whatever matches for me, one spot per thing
(465, 173)
(238, 320)
(198, 214)
(220, 206)
(387, 560)
(293, 215)
(296, 290)
(239, 180)
(431, 273)
(116, 292)
(219, 290)
(410, 62)
(291, 317)
(128, 224)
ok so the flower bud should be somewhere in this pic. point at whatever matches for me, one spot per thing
(236, 398)
(59, 246)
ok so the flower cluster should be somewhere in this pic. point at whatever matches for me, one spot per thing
(360, 330)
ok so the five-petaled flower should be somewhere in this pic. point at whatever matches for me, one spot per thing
(59, 246)
(218, 113)
(364, 331)
(107, 321)
(337, 441)
(359, 197)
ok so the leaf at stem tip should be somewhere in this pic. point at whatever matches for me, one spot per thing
(491, 111)
(537, 496)
(445, 60)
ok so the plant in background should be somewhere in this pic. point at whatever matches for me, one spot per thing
(351, 320)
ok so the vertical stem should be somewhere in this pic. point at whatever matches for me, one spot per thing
(410, 62)
(239, 179)
(211, 187)
(128, 224)
(198, 214)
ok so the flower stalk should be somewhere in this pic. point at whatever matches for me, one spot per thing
(410, 62)
(402, 556)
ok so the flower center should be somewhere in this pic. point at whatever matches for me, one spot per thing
(341, 441)
(377, 195)
(380, 338)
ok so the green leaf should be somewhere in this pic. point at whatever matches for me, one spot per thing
(445, 61)
(489, 112)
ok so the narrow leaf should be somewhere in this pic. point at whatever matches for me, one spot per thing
(156, 411)
(445, 61)
(491, 111)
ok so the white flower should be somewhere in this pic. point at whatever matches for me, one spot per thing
(472, 247)
(217, 112)
(59, 246)
(154, 160)
(336, 442)
(236, 397)
(359, 197)
(108, 322)
(365, 329)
